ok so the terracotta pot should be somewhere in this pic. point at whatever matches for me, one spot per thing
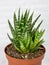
(14, 61)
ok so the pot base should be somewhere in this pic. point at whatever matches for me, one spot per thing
(10, 63)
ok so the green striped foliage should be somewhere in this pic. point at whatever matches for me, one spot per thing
(26, 38)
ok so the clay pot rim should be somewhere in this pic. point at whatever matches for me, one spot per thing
(23, 59)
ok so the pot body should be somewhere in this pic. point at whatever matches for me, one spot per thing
(14, 61)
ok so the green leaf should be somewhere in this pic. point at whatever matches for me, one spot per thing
(38, 36)
(19, 15)
(34, 22)
(35, 42)
(12, 40)
(15, 21)
(15, 44)
(33, 34)
(25, 17)
(38, 46)
(39, 25)
(22, 47)
(29, 22)
(28, 41)
(41, 33)
(28, 13)
(17, 49)
(31, 45)
(25, 14)
(12, 30)
(30, 18)
(25, 37)
(40, 42)
(9, 37)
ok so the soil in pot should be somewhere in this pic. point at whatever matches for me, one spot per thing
(11, 51)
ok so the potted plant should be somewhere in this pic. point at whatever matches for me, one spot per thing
(26, 43)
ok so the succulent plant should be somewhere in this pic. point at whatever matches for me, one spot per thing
(25, 37)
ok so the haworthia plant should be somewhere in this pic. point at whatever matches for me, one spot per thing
(26, 38)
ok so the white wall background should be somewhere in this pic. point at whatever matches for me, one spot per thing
(7, 8)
